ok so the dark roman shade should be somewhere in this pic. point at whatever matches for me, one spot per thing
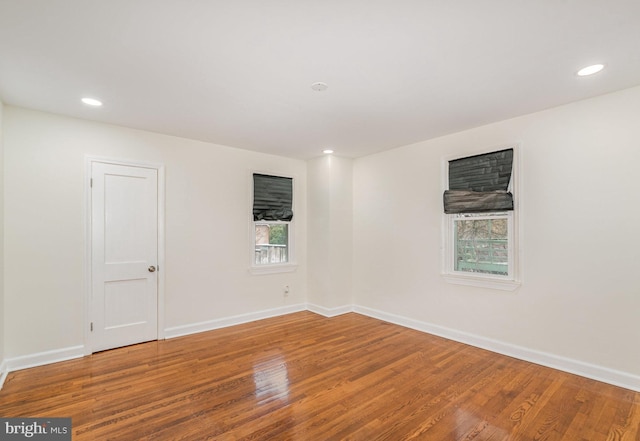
(479, 184)
(272, 198)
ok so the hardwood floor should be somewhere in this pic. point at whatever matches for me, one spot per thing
(306, 377)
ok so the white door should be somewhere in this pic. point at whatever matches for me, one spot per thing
(124, 249)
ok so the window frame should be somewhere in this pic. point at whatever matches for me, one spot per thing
(272, 268)
(512, 280)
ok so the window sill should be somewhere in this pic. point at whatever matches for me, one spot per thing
(273, 269)
(481, 282)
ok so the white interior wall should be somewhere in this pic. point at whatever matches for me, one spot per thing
(579, 215)
(207, 227)
(330, 233)
(341, 238)
(2, 308)
(319, 228)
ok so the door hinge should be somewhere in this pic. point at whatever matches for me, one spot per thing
(91, 182)
(91, 326)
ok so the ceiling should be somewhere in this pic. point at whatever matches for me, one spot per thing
(239, 73)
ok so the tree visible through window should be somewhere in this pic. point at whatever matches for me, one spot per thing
(482, 244)
(278, 234)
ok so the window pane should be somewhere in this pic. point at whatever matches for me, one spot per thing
(482, 246)
(272, 243)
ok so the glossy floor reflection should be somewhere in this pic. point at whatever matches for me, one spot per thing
(271, 379)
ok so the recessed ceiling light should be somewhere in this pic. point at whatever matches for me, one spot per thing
(319, 86)
(92, 102)
(590, 70)
(327, 151)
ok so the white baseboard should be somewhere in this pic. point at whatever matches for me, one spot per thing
(210, 325)
(583, 369)
(3, 372)
(329, 312)
(42, 358)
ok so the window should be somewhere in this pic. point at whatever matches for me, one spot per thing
(480, 221)
(271, 243)
(272, 223)
(481, 243)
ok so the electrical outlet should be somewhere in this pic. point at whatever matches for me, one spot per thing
(286, 290)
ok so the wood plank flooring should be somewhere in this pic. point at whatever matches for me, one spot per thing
(306, 377)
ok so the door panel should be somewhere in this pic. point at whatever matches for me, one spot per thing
(124, 229)
(129, 218)
(125, 303)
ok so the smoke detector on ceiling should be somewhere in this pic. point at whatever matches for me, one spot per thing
(319, 86)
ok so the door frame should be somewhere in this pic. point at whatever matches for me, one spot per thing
(89, 161)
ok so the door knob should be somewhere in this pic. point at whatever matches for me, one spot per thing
(152, 269)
